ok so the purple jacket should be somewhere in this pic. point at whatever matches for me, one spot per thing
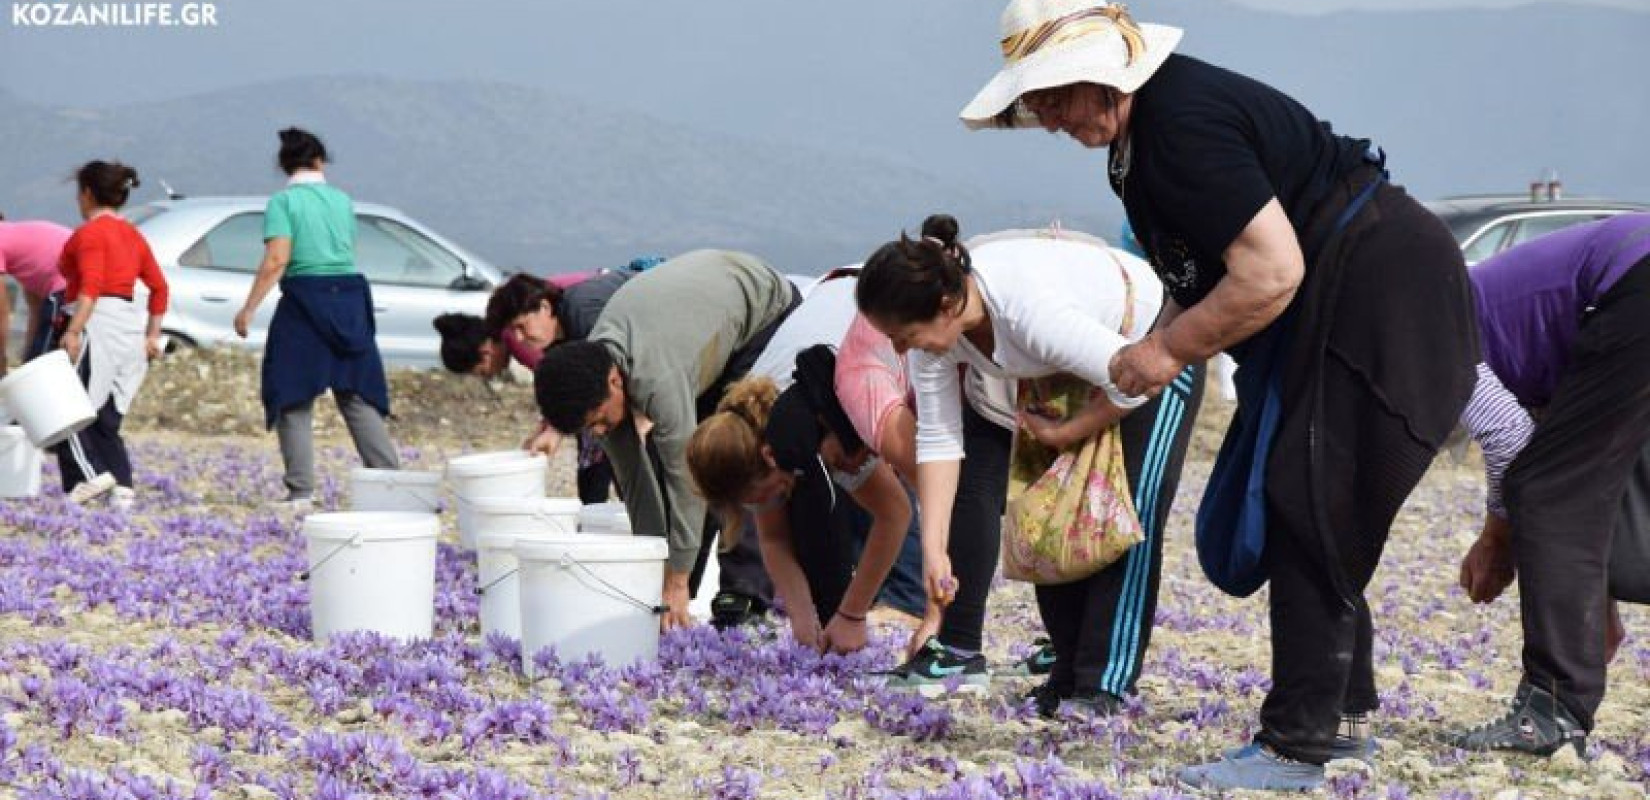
(1531, 299)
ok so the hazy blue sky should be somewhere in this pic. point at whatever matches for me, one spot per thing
(885, 78)
(1331, 6)
(560, 44)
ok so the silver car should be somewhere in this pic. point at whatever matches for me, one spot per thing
(210, 248)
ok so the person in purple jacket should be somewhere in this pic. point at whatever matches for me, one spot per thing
(1563, 321)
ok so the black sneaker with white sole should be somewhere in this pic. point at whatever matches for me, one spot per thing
(732, 609)
(1537, 724)
(936, 670)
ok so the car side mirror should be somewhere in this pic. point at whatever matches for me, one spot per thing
(466, 282)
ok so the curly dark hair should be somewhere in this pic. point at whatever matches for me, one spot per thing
(462, 336)
(570, 382)
(520, 294)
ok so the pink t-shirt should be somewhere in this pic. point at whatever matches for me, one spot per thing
(29, 253)
(871, 380)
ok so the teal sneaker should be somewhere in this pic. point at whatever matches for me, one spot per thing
(1255, 767)
(1040, 662)
(936, 670)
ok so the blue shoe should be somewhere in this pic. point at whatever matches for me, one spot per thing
(1256, 768)
(1345, 747)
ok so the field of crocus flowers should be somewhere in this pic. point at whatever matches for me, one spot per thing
(165, 653)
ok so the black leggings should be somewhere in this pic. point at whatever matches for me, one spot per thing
(1101, 625)
(976, 528)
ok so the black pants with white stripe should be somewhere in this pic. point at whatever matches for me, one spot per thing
(98, 448)
(1100, 626)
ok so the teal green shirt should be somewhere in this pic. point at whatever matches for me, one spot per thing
(320, 221)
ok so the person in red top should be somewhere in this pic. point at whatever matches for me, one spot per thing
(104, 331)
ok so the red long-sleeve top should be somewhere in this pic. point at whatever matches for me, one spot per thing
(108, 256)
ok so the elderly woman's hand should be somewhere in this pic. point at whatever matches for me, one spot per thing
(1145, 367)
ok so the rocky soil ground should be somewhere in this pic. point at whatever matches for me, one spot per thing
(164, 653)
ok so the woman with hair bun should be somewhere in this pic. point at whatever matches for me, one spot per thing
(323, 335)
(1024, 306)
(106, 334)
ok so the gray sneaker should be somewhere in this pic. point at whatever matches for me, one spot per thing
(1255, 767)
(1536, 724)
(292, 506)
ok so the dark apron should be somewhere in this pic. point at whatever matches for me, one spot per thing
(1231, 521)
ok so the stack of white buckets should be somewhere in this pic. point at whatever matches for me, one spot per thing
(551, 572)
(49, 404)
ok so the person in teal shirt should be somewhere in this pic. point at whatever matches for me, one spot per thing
(323, 335)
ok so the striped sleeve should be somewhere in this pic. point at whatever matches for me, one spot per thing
(1501, 426)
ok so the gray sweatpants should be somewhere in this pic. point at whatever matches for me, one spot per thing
(295, 428)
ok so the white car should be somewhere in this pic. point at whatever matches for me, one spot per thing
(210, 248)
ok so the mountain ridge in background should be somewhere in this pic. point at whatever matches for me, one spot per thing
(526, 178)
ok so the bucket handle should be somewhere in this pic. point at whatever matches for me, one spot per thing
(542, 515)
(354, 541)
(422, 497)
(568, 561)
(480, 590)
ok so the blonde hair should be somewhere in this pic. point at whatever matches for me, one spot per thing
(724, 456)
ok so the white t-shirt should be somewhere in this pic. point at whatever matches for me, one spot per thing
(822, 318)
(1056, 305)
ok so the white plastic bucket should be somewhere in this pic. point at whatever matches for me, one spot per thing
(46, 397)
(499, 522)
(372, 571)
(498, 580)
(591, 594)
(548, 515)
(609, 517)
(512, 473)
(19, 464)
(395, 490)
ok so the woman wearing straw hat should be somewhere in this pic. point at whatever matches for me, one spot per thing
(1281, 243)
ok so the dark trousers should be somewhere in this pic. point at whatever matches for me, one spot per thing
(741, 568)
(1630, 548)
(828, 534)
(1564, 495)
(1100, 626)
(96, 449)
(44, 339)
(1322, 666)
(976, 528)
(595, 482)
(1367, 403)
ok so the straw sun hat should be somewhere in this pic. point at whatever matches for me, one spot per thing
(1048, 43)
